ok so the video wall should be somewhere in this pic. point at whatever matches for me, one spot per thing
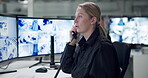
(132, 30)
(31, 36)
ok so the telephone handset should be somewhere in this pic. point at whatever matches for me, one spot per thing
(74, 35)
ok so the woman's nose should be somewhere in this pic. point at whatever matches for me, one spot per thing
(75, 20)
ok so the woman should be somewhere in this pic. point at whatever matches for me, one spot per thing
(94, 56)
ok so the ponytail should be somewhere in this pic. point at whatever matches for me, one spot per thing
(102, 31)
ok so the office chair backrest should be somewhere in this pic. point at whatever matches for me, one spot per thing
(123, 52)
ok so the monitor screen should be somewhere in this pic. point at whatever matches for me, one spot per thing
(132, 30)
(8, 38)
(34, 35)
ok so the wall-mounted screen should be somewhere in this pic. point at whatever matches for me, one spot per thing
(8, 38)
(132, 30)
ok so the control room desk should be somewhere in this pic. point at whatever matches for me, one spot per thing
(23, 71)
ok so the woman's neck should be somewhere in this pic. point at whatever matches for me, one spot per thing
(88, 33)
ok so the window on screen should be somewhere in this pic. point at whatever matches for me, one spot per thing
(34, 36)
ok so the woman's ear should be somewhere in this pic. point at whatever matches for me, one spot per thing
(93, 20)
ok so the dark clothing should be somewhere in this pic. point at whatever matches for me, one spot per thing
(94, 58)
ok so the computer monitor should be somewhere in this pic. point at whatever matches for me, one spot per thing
(34, 35)
(8, 38)
(132, 30)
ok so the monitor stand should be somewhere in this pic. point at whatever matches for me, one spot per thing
(40, 61)
(52, 64)
(10, 71)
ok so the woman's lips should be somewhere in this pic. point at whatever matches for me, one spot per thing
(76, 26)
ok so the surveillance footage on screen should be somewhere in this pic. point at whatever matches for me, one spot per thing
(131, 30)
(8, 42)
(34, 35)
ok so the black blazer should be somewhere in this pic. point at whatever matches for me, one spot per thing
(99, 61)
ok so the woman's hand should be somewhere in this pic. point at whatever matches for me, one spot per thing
(73, 41)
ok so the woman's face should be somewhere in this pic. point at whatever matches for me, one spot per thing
(82, 21)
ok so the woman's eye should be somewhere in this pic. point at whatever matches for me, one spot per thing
(79, 16)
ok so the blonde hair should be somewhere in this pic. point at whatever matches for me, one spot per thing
(102, 31)
(93, 10)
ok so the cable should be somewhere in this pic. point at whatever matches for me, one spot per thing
(57, 72)
(6, 66)
(74, 34)
(59, 67)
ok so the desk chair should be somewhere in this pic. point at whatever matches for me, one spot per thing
(123, 53)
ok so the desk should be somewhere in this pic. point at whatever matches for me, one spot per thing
(139, 63)
(140, 66)
(23, 71)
